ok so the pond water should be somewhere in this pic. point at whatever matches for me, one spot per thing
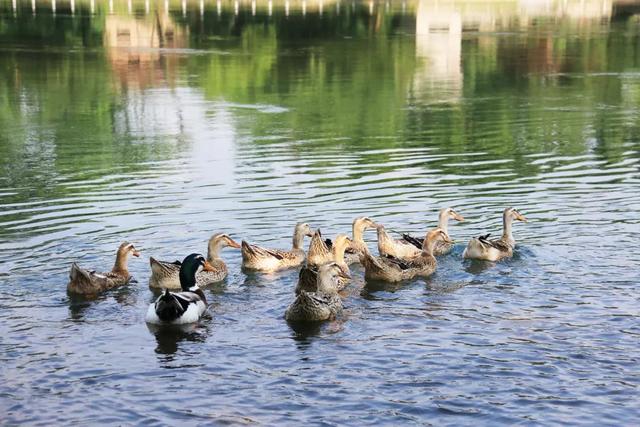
(164, 122)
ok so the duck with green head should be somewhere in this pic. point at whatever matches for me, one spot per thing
(177, 308)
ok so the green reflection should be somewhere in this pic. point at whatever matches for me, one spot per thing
(485, 80)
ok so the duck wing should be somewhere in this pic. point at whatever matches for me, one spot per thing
(498, 244)
(171, 306)
(260, 252)
(415, 241)
(393, 261)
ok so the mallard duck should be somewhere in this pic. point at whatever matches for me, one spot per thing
(390, 269)
(177, 308)
(358, 245)
(324, 303)
(495, 249)
(165, 274)
(308, 277)
(87, 282)
(269, 260)
(410, 246)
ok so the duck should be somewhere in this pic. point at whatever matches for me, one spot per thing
(324, 303)
(269, 260)
(391, 269)
(179, 308)
(358, 245)
(308, 276)
(409, 246)
(88, 282)
(483, 248)
(165, 275)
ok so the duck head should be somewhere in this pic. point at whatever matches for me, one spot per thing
(217, 242)
(328, 276)
(361, 224)
(192, 265)
(450, 213)
(513, 213)
(303, 229)
(434, 236)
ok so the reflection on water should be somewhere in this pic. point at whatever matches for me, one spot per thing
(169, 338)
(162, 122)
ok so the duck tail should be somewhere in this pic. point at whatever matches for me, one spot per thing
(368, 261)
(78, 274)
(307, 280)
(158, 267)
(168, 308)
(247, 249)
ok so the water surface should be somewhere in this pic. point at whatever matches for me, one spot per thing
(162, 123)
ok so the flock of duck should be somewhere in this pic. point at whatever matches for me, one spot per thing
(324, 272)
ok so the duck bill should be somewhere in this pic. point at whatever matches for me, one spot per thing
(232, 243)
(344, 275)
(458, 217)
(135, 253)
(522, 218)
(208, 267)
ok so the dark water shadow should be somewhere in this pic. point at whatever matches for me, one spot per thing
(477, 266)
(371, 287)
(305, 333)
(169, 337)
(254, 278)
(79, 304)
(302, 331)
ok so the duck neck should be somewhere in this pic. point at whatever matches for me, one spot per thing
(443, 221)
(298, 240)
(120, 267)
(338, 253)
(428, 245)
(357, 233)
(213, 252)
(507, 220)
(187, 278)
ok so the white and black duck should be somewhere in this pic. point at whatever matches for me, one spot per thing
(178, 308)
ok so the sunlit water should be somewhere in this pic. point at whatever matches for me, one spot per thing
(163, 127)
